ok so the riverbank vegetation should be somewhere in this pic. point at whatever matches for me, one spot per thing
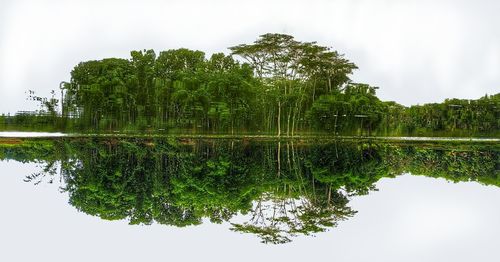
(275, 85)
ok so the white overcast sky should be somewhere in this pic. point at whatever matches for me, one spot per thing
(416, 51)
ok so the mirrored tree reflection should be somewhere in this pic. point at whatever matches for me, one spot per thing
(276, 190)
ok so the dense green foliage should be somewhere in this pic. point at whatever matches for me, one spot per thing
(281, 189)
(276, 85)
(182, 89)
(469, 116)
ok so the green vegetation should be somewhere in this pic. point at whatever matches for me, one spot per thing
(456, 115)
(280, 189)
(276, 85)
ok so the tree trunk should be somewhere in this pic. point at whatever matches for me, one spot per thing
(279, 118)
(288, 121)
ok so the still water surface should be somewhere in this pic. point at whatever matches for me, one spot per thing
(226, 200)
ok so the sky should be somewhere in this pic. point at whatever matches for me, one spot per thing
(416, 51)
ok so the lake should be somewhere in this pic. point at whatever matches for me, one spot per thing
(249, 198)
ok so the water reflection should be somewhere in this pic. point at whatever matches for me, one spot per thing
(275, 190)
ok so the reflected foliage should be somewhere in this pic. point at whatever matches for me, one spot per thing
(276, 190)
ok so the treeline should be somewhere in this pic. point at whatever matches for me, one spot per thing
(276, 85)
(476, 116)
(271, 92)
